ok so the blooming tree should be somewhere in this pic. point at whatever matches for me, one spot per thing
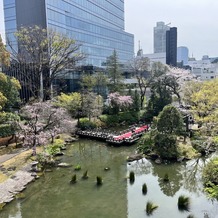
(42, 122)
(119, 102)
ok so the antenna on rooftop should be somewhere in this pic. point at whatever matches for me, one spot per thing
(139, 45)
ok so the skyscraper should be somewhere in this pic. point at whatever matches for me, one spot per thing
(160, 37)
(182, 55)
(97, 24)
(171, 46)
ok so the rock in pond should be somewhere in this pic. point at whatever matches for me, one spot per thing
(133, 157)
(64, 165)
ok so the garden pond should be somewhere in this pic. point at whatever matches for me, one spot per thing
(53, 196)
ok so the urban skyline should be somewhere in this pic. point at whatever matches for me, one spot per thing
(195, 31)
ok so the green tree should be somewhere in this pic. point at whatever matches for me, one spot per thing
(72, 102)
(170, 121)
(4, 54)
(210, 178)
(9, 89)
(49, 52)
(115, 82)
(169, 125)
(203, 98)
(163, 87)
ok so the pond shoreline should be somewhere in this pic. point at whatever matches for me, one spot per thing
(16, 173)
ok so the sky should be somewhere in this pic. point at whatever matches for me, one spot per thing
(196, 22)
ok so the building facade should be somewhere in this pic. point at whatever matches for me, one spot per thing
(97, 24)
(204, 69)
(182, 55)
(160, 37)
(171, 46)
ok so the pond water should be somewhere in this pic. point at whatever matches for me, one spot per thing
(52, 196)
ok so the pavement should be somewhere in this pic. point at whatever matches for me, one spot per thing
(6, 157)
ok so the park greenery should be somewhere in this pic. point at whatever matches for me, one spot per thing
(172, 101)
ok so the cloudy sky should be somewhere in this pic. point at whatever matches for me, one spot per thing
(196, 20)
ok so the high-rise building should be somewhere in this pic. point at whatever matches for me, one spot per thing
(182, 55)
(97, 24)
(160, 37)
(171, 46)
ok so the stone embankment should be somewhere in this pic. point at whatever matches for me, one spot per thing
(15, 174)
(14, 185)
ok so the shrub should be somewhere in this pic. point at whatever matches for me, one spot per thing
(73, 179)
(144, 189)
(85, 123)
(132, 177)
(77, 167)
(85, 175)
(210, 178)
(146, 142)
(150, 207)
(165, 145)
(6, 130)
(183, 202)
(99, 180)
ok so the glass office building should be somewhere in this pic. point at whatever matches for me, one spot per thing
(97, 24)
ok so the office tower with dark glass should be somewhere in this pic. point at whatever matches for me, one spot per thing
(171, 47)
(160, 37)
(97, 24)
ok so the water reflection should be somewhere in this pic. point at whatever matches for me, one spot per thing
(53, 196)
(184, 179)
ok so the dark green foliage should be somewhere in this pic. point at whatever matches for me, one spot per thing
(99, 180)
(210, 178)
(136, 101)
(73, 179)
(150, 207)
(132, 177)
(170, 120)
(6, 130)
(84, 124)
(144, 189)
(146, 142)
(165, 146)
(156, 103)
(123, 118)
(115, 75)
(183, 203)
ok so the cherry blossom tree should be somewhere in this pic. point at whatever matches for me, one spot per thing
(42, 122)
(119, 102)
